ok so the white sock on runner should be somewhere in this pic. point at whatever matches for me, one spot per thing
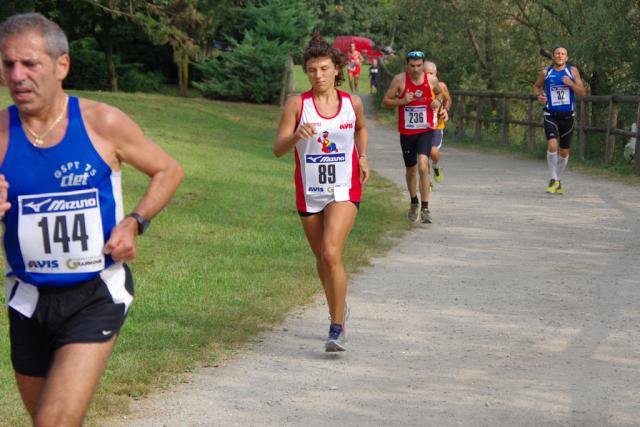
(552, 162)
(562, 165)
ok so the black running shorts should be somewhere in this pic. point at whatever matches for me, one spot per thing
(412, 145)
(559, 127)
(83, 313)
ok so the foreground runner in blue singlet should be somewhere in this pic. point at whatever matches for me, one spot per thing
(66, 236)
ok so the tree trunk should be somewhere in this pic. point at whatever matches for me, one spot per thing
(181, 59)
(108, 55)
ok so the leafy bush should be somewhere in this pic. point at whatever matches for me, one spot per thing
(133, 78)
(252, 71)
(88, 66)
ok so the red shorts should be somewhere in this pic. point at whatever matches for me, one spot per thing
(355, 71)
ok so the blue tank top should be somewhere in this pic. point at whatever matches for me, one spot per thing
(560, 97)
(65, 200)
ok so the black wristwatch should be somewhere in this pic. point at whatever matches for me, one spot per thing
(143, 223)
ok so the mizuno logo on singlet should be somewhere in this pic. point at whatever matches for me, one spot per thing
(36, 206)
(326, 158)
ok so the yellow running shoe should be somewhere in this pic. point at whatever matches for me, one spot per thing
(559, 189)
(437, 174)
(553, 186)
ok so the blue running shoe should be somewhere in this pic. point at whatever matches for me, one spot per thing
(335, 341)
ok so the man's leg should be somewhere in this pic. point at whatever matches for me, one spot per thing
(552, 164)
(70, 384)
(410, 176)
(30, 389)
(423, 172)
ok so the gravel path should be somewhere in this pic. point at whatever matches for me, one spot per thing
(515, 308)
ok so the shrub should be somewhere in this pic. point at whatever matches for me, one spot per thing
(133, 78)
(88, 66)
(252, 71)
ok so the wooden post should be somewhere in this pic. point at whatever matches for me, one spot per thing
(636, 161)
(505, 120)
(611, 138)
(288, 80)
(478, 131)
(531, 130)
(462, 112)
(582, 135)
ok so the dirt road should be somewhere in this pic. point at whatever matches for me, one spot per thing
(515, 308)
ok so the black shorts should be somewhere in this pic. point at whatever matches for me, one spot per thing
(412, 145)
(559, 127)
(83, 313)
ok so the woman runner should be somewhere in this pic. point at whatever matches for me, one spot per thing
(326, 129)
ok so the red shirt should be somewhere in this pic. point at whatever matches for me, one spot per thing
(417, 116)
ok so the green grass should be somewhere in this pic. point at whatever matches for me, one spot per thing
(226, 259)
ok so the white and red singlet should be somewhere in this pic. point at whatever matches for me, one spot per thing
(327, 168)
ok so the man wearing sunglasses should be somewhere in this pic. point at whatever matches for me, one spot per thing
(411, 92)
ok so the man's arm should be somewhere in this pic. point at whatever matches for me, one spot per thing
(435, 85)
(446, 96)
(120, 138)
(578, 85)
(538, 89)
(396, 87)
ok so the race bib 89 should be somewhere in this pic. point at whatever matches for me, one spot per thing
(323, 172)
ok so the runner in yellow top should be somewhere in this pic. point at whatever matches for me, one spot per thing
(442, 112)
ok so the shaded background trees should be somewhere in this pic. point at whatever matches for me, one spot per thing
(477, 44)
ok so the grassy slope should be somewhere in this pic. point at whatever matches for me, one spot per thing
(226, 259)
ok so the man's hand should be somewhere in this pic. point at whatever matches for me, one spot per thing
(542, 98)
(408, 97)
(122, 243)
(4, 190)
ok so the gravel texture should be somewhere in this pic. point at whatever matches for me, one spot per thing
(514, 308)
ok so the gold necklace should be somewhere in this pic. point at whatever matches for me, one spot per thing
(39, 139)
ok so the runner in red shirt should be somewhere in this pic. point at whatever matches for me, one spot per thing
(355, 58)
(411, 93)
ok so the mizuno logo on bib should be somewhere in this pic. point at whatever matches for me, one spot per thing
(61, 232)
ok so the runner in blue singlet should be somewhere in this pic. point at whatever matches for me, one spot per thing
(66, 237)
(561, 83)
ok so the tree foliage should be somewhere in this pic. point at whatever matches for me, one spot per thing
(253, 69)
(500, 44)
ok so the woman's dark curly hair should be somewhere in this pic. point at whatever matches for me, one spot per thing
(318, 48)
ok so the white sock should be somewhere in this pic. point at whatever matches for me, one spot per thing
(562, 165)
(552, 162)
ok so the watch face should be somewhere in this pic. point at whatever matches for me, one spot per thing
(143, 223)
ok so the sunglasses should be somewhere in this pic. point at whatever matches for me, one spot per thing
(415, 54)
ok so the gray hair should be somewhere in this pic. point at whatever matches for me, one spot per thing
(431, 64)
(57, 43)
